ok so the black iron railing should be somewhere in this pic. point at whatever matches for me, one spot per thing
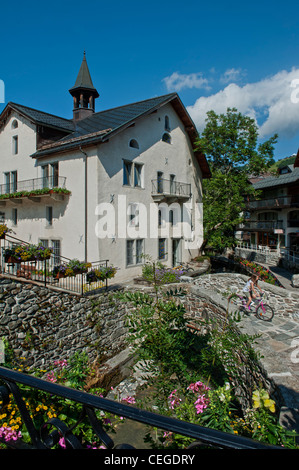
(262, 225)
(33, 184)
(44, 271)
(275, 202)
(171, 188)
(49, 433)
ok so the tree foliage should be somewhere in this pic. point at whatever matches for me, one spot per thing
(230, 143)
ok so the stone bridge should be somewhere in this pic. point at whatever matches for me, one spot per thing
(279, 339)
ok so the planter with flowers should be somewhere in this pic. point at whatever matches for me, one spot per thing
(3, 231)
(101, 274)
(70, 269)
(23, 253)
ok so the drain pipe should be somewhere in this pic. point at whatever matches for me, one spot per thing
(85, 203)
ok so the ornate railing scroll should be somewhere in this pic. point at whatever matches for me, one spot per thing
(53, 429)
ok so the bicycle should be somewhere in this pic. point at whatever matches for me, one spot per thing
(262, 311)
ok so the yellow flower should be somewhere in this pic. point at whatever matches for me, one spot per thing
(270, 404)
(256, 399)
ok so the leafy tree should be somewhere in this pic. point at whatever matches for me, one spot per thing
(230, 143)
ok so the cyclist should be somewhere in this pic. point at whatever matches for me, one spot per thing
(250, 287)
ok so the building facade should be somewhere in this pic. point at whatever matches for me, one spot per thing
(272, 220)
(113, 184)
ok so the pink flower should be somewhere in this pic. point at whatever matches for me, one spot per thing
(51, 377)
(62, 443)
(9, 434)
(201, 403)
(174, 400)
(197, 387)
(129, 399)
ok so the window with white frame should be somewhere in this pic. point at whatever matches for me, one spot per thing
(138, 175)
(135, 249)
(11, 181)
(139, 250)
(133, 214)
(15, 145)
(56, 247)
(162, 248)
(132, 174)
(50, 175)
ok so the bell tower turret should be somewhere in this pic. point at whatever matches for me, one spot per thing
(83, 93)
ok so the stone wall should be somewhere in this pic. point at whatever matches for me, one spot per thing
(42, 325)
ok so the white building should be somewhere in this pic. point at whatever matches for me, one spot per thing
(109, 171)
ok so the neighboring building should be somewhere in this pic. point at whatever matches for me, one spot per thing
(273, 220)
(125, 160)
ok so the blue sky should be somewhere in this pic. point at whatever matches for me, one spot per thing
(214, 54)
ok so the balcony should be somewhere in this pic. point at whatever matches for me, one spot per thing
(170, 190)
(34, 190)
(260, 225)
(274, 203)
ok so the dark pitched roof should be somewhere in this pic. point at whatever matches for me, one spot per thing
(101, 126)
(287, 178)
(39, 117)
(116, 118)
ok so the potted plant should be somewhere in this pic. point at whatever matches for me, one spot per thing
(100, 274)
(72, 268)
(59, 271)
(3, 231)
(20, 253)
(78, 267)
(42, 252)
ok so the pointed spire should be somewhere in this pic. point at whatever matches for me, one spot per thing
(83, 92)
(84, 79)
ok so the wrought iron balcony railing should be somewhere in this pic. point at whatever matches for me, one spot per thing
(261, 225)
(274, 203)
(34, 184)
(163, 188)
(49, 433)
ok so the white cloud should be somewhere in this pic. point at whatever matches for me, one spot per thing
(231, 75)
(177, 81)
(272, 102)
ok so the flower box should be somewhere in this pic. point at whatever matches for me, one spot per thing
(100, 274)
(24, 253)
(11, 259)
(3, 231)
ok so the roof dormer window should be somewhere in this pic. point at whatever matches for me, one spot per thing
(166, 138)
(134, 144)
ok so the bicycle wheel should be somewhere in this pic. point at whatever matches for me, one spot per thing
(265, 312)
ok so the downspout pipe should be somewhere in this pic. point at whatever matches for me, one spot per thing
(85, 203)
